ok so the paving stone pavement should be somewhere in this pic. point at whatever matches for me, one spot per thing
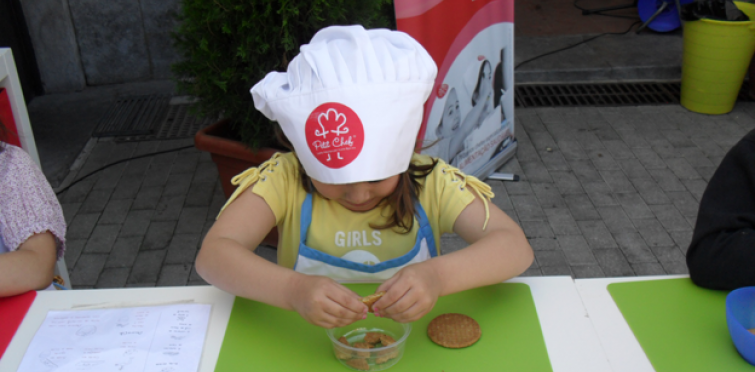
(604, 192)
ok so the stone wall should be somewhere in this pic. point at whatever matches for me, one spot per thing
(80, 43)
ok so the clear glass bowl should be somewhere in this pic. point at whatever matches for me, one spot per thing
(373, 359)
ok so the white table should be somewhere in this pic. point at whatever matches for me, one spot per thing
(569, 336)
(222, 303)
(619, 344)
(573, 344)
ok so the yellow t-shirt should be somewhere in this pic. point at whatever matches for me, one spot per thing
(340, 232)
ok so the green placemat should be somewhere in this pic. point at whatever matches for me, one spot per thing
(680, 326)
(260, 337)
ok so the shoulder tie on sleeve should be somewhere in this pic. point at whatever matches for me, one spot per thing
(481, 188)
(249, 177)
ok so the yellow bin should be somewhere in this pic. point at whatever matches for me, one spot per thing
(715, 61)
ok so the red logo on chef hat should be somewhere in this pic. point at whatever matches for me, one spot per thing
(335, 134)
(442, 90)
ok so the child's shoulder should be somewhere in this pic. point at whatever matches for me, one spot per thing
(282, 162)
(441, 173)
(18, 168)
(440, 169)
(423, 159)
(15, 157)
(279, 169)
(286, 159)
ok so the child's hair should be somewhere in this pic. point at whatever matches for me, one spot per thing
(479, 78)
(401, 201)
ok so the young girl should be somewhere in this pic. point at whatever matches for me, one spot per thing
(353, 202)
(32, 226)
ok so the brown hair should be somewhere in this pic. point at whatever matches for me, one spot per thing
(400, 203)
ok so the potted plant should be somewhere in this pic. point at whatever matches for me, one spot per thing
(229, 45)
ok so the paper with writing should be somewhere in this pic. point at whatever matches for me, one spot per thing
(139, 339)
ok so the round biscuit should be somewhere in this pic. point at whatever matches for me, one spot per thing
(453, 330)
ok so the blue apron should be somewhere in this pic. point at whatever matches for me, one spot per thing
(313, 262)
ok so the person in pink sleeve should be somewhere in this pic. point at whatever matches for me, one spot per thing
(32, 226)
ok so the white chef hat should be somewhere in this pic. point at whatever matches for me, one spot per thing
(351, 102)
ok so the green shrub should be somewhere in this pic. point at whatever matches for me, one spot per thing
(227, 46)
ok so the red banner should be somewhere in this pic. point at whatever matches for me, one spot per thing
(6, 117)
(469, 117)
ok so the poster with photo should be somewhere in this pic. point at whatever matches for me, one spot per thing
(469, 117)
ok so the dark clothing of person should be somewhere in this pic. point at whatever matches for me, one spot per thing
(722, 252)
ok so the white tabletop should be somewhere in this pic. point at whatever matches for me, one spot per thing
(569, 336)
(222, 303)
(619, 344)
(573, 344)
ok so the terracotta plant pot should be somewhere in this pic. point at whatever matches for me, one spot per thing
(232, 157)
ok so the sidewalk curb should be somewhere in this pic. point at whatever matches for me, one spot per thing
(73, 171)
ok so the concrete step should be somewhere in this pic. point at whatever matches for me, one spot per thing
(648, 56)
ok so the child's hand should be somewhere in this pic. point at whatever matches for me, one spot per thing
(410, 294)
(325, 303)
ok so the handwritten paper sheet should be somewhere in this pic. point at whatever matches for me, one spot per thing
(137, 339)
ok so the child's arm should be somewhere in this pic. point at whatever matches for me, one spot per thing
(498, 253)
(30, 267)
(227, 261)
